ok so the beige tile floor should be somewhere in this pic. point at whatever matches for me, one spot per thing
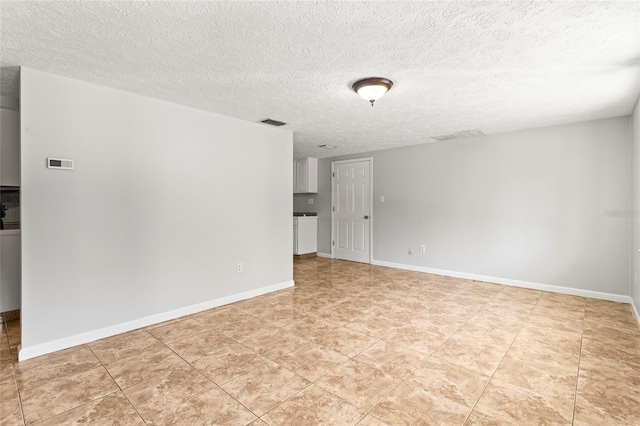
(350, 344)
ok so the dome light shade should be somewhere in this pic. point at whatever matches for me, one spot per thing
(372, 88)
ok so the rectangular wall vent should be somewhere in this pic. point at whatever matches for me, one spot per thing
(59, 163)
(459, 135)
(272, 122)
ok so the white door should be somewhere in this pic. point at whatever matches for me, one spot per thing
(351, 223)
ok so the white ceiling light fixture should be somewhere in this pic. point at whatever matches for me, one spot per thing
(373, 88)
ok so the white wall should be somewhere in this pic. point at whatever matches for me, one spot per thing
(163, 202)
(525, 206)
(635, 195)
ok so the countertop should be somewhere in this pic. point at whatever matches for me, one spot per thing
(10, 232)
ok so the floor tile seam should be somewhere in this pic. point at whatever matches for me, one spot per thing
(15, 383)
(385, 396)
(51, 379)
(400, 381)
(323, 376)
(617, 320)
(575, 395)
(236, 340)
(298, 392)
(128, 357)
(121, 336)
(286, 399)
(368, 347)
(605, 352)
(209, 329)
(245, 374)
(164, 374)
(626, 387)
(467, 322)
(119, 388)
(110, 364)
(189, 337)
(77, 406)
(275, 358)
(498, 366)
(220, 384)
(198, 369)
(173, 408)
(6, 337)
(599, 345)
(366, 412)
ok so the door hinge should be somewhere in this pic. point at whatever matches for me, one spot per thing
(333, 174)
(333, 243)
(333, 209)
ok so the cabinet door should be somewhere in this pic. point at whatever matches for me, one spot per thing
(295, 239)
(305, 176)
(301, 176)
(307, 232)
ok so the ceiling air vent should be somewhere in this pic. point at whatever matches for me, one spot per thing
(273, 122)
(459, 135)
(327, 146)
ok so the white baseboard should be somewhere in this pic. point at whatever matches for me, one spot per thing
(327, 255)
(515, 283)
(90, 336)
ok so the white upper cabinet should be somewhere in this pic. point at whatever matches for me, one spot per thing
(305, 176)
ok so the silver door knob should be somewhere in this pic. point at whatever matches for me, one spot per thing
(366, 217)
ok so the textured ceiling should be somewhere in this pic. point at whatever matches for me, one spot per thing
(494, 66)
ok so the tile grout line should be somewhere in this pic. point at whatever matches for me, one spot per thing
(286, 399)
(15, 378)
(416, 367)
(205, 375)
(117, 384)
(13, 369)
(349, 359)
(220, 385)
(575, 395)
(501, 359)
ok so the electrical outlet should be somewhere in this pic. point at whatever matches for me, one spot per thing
(239, 267)
(423, 248)
(411, 252)
(309, 200)
(382, 198)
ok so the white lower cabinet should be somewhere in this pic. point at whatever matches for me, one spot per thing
(305, 235)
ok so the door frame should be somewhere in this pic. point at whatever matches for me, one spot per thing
(371, 216)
